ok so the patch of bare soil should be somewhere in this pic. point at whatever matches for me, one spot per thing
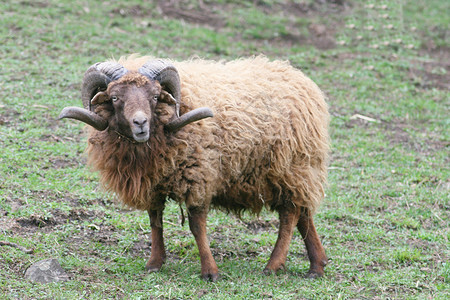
(59, 163)
(37, 221)
(40, 4)
(321, 36)
(8, 115)
(198, 14)
(398, 135)
(257, 226)
(135, 11)
(312, 7)
(79, 216)
(211, 15)
(48, 222)
(434, 73)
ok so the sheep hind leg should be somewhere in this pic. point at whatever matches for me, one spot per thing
(288, 220)
(314, 247)
(158, 253)
(197, 224)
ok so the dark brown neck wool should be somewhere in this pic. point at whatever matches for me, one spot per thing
(126, 167)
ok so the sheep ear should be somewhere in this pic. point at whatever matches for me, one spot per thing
(99, 98)
(166, 98)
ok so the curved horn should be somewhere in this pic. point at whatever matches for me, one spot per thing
(167, 76)
(97, 78)
(85, 116)
(187, 118)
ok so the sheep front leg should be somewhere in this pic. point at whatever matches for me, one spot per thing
(158, 254)
(314, 247)
(288, 220)
(197, 224)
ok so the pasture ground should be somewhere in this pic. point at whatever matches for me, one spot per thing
(384, 66)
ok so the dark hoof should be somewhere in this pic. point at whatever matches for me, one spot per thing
(210, 277)
(313, 274)
(268, 272)
(153, 267)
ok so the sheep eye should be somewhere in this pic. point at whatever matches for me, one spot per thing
(155, 97)
(114, 98)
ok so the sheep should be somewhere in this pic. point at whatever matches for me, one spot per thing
(239, 135)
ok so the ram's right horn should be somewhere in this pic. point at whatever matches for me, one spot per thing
(97, 78)
(84, 115)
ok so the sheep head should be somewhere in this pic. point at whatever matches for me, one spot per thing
(128, 102)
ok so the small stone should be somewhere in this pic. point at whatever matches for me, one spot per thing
(45, 271)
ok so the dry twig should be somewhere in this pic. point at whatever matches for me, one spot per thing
(4, 243)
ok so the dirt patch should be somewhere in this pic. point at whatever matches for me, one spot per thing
(8, 115)
(258, 226)
(435, 73)
(39, 4)
(134, 11)
(321, 36)
(52, 218)
(60, 163)
(37, 221)
(141, 246)
(211, 15)
(398, 135)
(198, 14)
(305, 8)
(79, 214)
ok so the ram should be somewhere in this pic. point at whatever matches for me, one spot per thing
(238, 135)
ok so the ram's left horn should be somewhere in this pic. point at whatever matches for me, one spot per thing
(189, 117)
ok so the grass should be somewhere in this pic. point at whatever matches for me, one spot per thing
(385, 219)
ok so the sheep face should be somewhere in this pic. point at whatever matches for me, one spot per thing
(133, 113)
(133, 100)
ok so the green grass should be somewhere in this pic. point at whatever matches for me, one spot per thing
(385, 219)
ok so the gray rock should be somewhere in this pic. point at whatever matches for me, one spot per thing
(45, 271)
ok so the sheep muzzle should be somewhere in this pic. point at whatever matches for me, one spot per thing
(140, 128)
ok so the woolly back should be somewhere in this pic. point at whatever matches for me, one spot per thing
(271, 120)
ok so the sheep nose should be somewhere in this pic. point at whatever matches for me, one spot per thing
(140, 120)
